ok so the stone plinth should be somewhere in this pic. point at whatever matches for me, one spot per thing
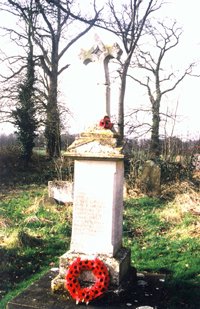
(98, 193)
(118, 266)
(98, 206)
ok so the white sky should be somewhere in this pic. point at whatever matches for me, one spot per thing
(79, 84)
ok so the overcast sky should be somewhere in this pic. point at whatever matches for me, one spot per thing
(79, 84)
(83, 93)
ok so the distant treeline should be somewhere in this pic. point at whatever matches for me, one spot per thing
(11, 139)
(170, 147)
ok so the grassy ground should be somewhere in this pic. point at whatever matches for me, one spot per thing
(165, 239)
(163, 234)
(34, 233)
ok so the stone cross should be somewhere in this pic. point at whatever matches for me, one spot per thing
(101, 55)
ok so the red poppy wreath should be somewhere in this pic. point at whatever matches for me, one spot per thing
(89, 293)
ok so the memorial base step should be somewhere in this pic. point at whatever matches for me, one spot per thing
(118, 266)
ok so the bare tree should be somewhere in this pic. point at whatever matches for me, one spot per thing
(25, 113)
(157, 80)
(127, 21)
(54, 30)
(54, 33)
(17, 73)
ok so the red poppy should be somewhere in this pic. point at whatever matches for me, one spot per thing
(87, 294)
(106, 123)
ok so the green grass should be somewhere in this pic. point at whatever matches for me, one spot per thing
(154, 249)
(35, 232)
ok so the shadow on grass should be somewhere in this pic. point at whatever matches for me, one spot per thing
(180, 294)
(17, 265)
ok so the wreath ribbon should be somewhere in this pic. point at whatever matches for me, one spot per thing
(89, 293)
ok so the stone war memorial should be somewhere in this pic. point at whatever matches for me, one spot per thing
(98, 192)
(96, 271)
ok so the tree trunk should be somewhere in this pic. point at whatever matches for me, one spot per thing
(121, 104)
(155, 143)
(52, 130)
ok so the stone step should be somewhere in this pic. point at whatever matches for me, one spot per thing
(146, 292)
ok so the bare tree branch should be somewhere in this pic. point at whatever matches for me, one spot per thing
(128, 22)
(158, 82)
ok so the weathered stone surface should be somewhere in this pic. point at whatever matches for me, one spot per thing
(99, 52)
(98, 207)
(101, 55)
(118, 266)
(61, 191)
(95, 143)
(150, 178)
(58, 284)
